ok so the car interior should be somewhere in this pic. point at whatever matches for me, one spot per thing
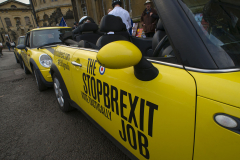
(112, 29)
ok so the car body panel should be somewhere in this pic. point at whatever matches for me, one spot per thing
(173, 95)
(213, 141)
(17, 51)
(222, 87)
(35, 54)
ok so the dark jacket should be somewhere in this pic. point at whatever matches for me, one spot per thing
(8, 44)
(149, 21)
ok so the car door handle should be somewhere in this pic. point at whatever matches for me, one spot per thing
(76, 64)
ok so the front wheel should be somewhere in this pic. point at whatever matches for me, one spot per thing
(40, 84)
(25, 68)
(61, 94)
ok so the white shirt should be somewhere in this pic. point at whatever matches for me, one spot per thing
(120, 12)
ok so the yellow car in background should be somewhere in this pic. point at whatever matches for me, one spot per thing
(37, 53)
(17, 52)
(180, 102)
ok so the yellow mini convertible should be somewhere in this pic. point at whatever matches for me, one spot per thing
(18, 52)
(172, 97)
(36, 53)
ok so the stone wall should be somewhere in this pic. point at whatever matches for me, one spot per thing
(51, 12)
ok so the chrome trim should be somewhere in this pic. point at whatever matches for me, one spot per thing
(166, 63)
(76, 64)
(212, 70)
(93, 50)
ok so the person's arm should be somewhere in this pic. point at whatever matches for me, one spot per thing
(155, 16)
(129, 21)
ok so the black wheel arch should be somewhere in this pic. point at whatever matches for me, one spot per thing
(54, 70)
(34, 65)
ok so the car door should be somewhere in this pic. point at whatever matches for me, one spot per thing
(27, 52)
(24, 51)
(153, 119)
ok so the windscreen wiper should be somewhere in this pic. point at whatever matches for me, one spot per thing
(47, 44)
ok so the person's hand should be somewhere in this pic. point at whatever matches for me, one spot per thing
(143, 24)
(151, 13)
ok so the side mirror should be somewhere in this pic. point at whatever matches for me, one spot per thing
(123, 54)
(21, 46)
(118, 55)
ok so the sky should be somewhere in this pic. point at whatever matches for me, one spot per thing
(23, 1)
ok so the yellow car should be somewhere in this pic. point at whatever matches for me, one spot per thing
(18, 52)
(37, 53)
(180, 102)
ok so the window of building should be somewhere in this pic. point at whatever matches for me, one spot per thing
(18, 22)
(27, 20)
(8, 22)
(13, 6)
(45, 17)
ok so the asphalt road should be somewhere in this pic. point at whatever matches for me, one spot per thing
(33, 127)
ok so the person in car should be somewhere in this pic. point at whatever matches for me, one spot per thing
(120, 12)
(149, 19)
(75, 25)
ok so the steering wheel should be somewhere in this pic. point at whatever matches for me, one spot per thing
(160, 46)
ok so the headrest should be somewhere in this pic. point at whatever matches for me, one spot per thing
(111, 23)
(66, 35)
(86, 27)
(160, 26)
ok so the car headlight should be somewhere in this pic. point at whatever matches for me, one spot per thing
(45, 60)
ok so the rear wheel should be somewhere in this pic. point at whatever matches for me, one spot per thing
(61, 94)
(25, 68)
(40, 84)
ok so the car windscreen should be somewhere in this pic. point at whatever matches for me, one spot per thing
(218, 21)
(47, 36)
(21, 40)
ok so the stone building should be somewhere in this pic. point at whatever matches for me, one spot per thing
(98, 8)
(50, 12)
(16, 19)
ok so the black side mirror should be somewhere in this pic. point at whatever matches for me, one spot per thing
(21, 46)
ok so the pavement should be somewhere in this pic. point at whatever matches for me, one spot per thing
(33, 127)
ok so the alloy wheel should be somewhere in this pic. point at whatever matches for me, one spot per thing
(58, 92)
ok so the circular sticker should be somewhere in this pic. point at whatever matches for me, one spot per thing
(101, 70)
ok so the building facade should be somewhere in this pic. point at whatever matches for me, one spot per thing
(50, 12)
(98, 8)
(16, 19)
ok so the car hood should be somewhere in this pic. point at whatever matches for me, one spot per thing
(221, 87)
(47, 50)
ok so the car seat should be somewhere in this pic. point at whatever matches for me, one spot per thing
(158, 36)
(111, 23)
(88, 32)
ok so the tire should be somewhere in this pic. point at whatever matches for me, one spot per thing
(16, 58)
(41, 86)
(25, 68)
(21, 62)
(61, 94)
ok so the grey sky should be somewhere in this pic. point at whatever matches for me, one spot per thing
(23, 1)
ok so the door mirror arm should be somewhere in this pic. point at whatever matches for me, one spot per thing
(145, 71)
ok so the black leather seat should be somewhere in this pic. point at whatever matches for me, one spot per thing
(88, 32)
(158, 36)
(111, 23)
